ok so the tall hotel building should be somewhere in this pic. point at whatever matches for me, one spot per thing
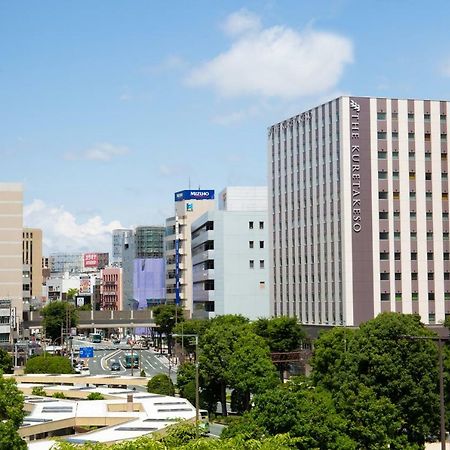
(359, 211)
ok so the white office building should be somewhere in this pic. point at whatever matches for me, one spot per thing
(230, 256)
(358, 202)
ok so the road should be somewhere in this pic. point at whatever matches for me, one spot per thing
(105, 353)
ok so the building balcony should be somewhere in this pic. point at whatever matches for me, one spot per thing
(202, 275)
(203, 256)
(202, 238)
(200, 295)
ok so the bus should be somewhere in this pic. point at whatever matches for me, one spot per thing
(131, 360)
(95, 338)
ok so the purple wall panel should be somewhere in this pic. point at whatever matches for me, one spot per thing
(148, 280)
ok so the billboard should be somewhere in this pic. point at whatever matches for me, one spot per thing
(85, 285)
(91, 260)
(194, 195)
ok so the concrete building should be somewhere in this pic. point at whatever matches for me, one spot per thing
(32, 258)
(189, 205)
(358, 199)
(119, 236)
(111, 289)
(11, 267)
(127, 258)
(230, 256)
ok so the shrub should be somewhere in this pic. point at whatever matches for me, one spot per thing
(59, 395)
(48, 364)
(95, 396)
(39, 390)
(161, 384)
(143, 374)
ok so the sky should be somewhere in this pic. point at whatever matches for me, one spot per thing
(109, 107)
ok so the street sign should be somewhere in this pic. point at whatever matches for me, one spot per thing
(86, 352)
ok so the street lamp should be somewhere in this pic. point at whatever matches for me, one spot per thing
(440, 341)
(197, 399)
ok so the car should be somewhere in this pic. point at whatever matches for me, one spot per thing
(85, 371)
(115, 365)
(116, 341)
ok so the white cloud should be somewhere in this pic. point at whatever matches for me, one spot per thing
(99, 152)
(62, 232)
(274, 62)
(241, 22)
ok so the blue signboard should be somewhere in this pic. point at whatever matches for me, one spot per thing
(86, 352)
(194, 195)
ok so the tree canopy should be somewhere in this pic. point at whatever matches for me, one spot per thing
(54, 318)
(161, 384)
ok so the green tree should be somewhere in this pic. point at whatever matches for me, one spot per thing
(54, 318)
(11, 415)
(396, 369)
(186, 381)
(6, 362)
(161, 384)
(71, 293)
(39, 390)
(48, 364)
(165, 316)
(193, 326)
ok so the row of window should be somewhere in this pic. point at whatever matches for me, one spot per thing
(411, 155)
(383, 195)
(251, 225)
(384, 256)
(251, 264)
(412, 215)
(251, 244)
(426, 117)
(384, 235)
(386, 296)
(385, 276)
(383, 175)
(382, 135)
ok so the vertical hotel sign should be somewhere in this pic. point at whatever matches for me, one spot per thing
(361, 209)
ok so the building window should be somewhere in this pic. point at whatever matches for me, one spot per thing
(261, 264)
(261, 244)
(381, 135)
(444, 196)
(261, 225)
(410, 116)
(411, 156)
(429, 215)
(382, 175)
(395, 175)
(427, 156)
(398, 276)
(430, 256)
(428, 176)
(413, 235)
(396, 196)
(382, 195)
(431, 318)
(395, 116)
(444, 175)
(430, 295)
(446, 275)
(414, 276)
(414, 296)
(427, 137)
(443, 137)
(426, 117)
(413, 256)
(251, 264)
(429, 236)
(396, 235)
(412, 195)
(411, 136)
(412, 176)
(381, 116)
(397, 256)
(394, 155)
(446, 256)
(384, 256)
(384, 276)
(445, 236)
(398, 297)
(412, 214)
(251, 244)
(395, 135)
(250, 225)
(430, 276)
(383, 215)
(384, 297)
(396, 215)
(384, 235)
(382, 155)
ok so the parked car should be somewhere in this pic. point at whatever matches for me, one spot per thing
(115, 365)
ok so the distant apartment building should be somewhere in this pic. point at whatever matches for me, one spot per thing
(358, 195)
(32, 261)
(119, 237)
(189, 206)
(111, 288)
(58, 285)
(230, 256)
(66, 262)
(11, 266)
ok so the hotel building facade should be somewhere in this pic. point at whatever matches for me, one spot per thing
(358, 201)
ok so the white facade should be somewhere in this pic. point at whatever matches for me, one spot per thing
(230, 256)
(119, 238)
(359, 211)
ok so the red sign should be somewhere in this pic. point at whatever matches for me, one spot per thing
(90, 260)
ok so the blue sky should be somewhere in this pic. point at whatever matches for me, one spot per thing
(109, 107)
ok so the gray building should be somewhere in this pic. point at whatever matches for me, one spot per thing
(230, 252)
(118, 239)
(358, 200)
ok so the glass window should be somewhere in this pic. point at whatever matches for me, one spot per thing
(412, 175)
(394, 115)
(396, 196)
(427, 137)
(382, 175)
(413, 235)
(395, 175)
(410, 116)
(397, 235)
(261, 225)
(398, 296)
(446, 256)
(429, 236)
(412, 214)
(444, 214)
(444, 156)
(385, 296)
(383, 215)
(381, 116)
(398, 276)
(427, 176)
(381, 135)
(427, 156)
(411, 136)
(394, 155)
(413, 256)
(411, 156)
(444, 196)
(384, 235)
(251, 264)
(261, 244)
(445, 236)
(384, 276)
(383, 195)
(426, 117)
(443, 117)
(430, 256)
(429, 215)
(431, 318)
(415, 296)
(446, 275)
(251, 244)
(395, 135)
(250, 225)
(382, 155)
(396, 215)
(443, 137)
(430, 276)
(397, 256)
(428, 195)
(444, 175)
(384, 256)
(430, 295)
(261, 264)
(414, 276)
